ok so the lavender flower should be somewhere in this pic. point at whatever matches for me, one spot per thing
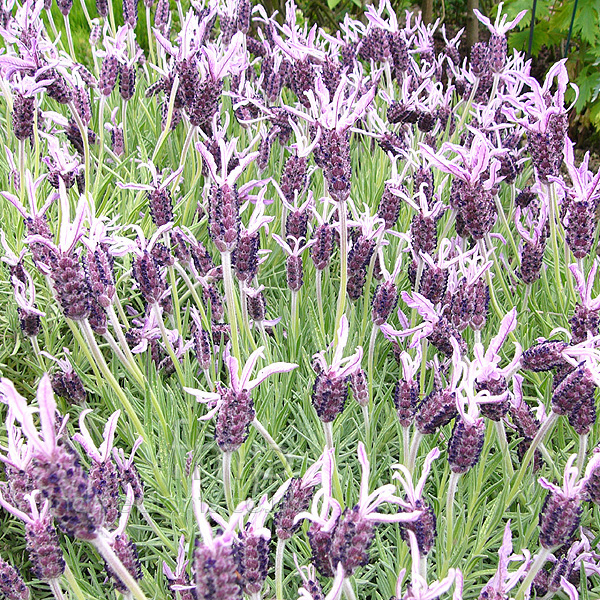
(57, 472)
(11, 582)
(103, 475)
(234, 406)
(179, 581)
(330, 389)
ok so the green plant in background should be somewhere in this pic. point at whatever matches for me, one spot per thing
(568, 29)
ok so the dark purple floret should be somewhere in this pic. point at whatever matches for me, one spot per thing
(104, 482)
(434, 281)
(235, 415)
(580, 227)
(351, 540)
(223, 217)
(544, 356)
(559, 519)
(592, 487)
(108, 74)
(441, 335)
(29, 322)
(149, 277)
(359, 387)
(216, 574)
(130, 13)
(329, 396)
(62, 480)
(102, 8)
(19, 483)
(400, 113)
(58, 90)
(406, 398)
(81, 101)
(546, 149)
(466, 443)
(202, 346)
(68, 385)
(423, 234)
(435, 410)
(127, 552)
(584, 322)
(294, 272)
(70, 285)
(160, 203)
(129, 475)
(525, 197)
(64, 6)
(206, 103)
(385, 300)
(161, 15)
(324, 240)
(294, 177)
(11, 583)
(572, 389)
(252, 557)
(393, 143)
(212, 296)
(296, 500)
(127, 79)
(245, 256)
(320, 545)
(201, 258)
(22, 118)
(424, 528)
(43, 545)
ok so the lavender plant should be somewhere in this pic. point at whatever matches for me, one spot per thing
(358, 147)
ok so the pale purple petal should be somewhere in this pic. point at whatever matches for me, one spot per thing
(278, 367)
(247, 370)
(47, 404)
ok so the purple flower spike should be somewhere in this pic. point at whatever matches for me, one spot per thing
(104, 477)
(234, 406)
(179, 580)
(562, 510)
(11, 582)
(330, 389)
(57, 472)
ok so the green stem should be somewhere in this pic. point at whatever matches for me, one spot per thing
(554, 238)
(73, 583)
(348, 589)
(502, 442)
(69, 37)
(150, 36)
(56, 589)
(452, 485)
(319, 284)
(279, 569)
(167, 130)
(294, 315)
(230, 300)
(414, 449)
(583, 442)
(341, 304)
(227, 481)
(538, 563)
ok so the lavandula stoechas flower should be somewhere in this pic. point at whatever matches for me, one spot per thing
(424, 526)
(585, 321)
(215, 571)
(385, 297)
(18, 466)
(330, 389)
(503, 581)
(56, 469)
(224, 202)
(489, 376)
(581, 201)
(546, 121)
(245, 257)
(352, 532)
(476, 181)
(179, 580)
(534, 234)
(66, 383)
(129, 476)
(294, 268)
(436, 328)
(64, 265)
(234, 406)
(43, 545)
(159, 196)
(35, 220)
(103, 475)
(29, 314)
(419, 589)
(406, 390)
(561, 513)
(124, 548)
(497, 45)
